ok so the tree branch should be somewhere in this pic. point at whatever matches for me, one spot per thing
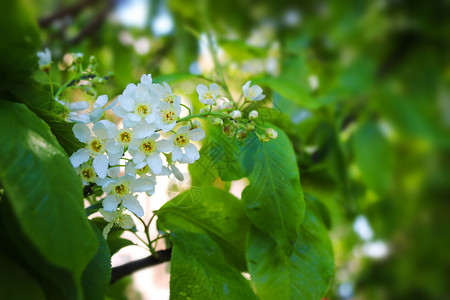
(72, 10)
(133, 266)
(95, 23)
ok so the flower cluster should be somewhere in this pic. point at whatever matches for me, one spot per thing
(145, 146)
(231, 117)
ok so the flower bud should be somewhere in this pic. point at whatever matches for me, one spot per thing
(92, 60)
(249, 127)
(196, 124)
(241, 135)
(236, 114)
(226, 106)
(229, 130)
(264, 138)
(217, 122)
(271, 133)
(78, 57)
(253, 115)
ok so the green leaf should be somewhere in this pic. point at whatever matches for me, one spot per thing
(211, 211)
(57, 283)
(97, 275)
(16, 282)
(174, 78)
(373, 155)
(305, 274)
(290, 90)
(274, 192)
(20, 34)
(43, 189)
(198, 270)
(114, 241)
(224, 154)
(39, 100)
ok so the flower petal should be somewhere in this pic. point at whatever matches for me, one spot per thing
(100, 165)
(105, 129)
(201, 90)
(164, 146)
(155, 163)
(197, 134)
(192, 152)
(82, 132)
(79, 157)
(144, 130)
(177, 154)
(245, 88)
(101, 101)
(110, 203)
(76, 106)
(183, 129)
(133, 205)
(214, 89)
(126, 102)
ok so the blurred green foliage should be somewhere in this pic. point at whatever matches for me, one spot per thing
(371, 137)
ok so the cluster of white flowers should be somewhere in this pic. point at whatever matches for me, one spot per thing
(146, 146)
(231, 116)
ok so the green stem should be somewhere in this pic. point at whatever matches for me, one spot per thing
(186, 108)
(187, 118)
(242, 104)
(213, 51)
(147, 233)
(51, 82)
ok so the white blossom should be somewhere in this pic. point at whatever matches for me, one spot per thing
(207, 95)
(181, 140)
(45, 58)
(253, 93)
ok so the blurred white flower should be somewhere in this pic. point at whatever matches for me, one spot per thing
(252, 93)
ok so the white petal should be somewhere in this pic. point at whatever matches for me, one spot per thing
(164, 146)
(105, 129)
(176, 172)
(214, 89)
(197, 134)
(79, 157)
(126, 102)
(107, 229)
(260, 97)
(177, 154)
(110, 203)
(101, 101)
(155, 163)
(192, 152)
(112, 146)
(95, 115)
(119, 111)
(82, 132)
(144, 130)
(134, 206)
(245, 88)
(146, 79)
(133, 117)
(139, 157)
(183, 129)
(127, 123)
(143, 184)
(201, 90)
(100, 165)
(76, 106)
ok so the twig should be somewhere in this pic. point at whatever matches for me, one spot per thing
(92, 26)
(133, 266)
(72, 10)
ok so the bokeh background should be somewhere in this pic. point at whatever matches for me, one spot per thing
(361, 87)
